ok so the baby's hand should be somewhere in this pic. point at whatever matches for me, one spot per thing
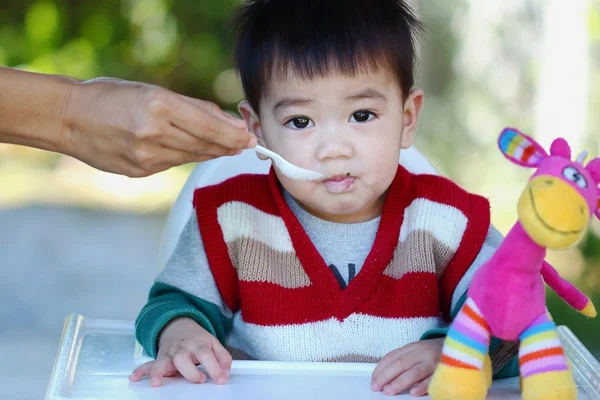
(411, 365)
(183, 344)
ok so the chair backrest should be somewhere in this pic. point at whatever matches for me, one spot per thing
(220, 169)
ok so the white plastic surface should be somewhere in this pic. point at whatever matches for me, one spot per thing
(222, 168)
(95, 358)
(586, 367)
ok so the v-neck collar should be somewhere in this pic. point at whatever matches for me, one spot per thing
(343, 302)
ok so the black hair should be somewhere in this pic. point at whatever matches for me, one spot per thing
(313, 38)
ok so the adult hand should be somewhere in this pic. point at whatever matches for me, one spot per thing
(137, 129)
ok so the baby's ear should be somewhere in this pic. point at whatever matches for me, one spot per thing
(252, 124)
(520, 148)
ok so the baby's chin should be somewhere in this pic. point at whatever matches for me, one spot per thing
(345, 212)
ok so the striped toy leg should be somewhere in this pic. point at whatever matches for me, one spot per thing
(545, 371)
(463, 368)
(487, 370)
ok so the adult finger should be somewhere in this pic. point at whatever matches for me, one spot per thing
(408, 378)
(163, 166)
(206, 356)
(392, 370)
(178, 139)
(421, 388)
(162, 367)
(204, 124)
(165, 158)
(216, 111)
(183, 360)
(178, 157)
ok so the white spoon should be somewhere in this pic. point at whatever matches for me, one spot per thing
(287, 168)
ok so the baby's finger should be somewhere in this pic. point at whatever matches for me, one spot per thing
(185, 365)
(163, 366)
(206, 356)
(223, 357)
(415, 374)
(420, 389)
(385, 362)
(141, 371)
(392, 370)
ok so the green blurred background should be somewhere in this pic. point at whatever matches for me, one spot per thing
(71, 234)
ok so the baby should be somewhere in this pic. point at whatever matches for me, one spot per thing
(369, 264)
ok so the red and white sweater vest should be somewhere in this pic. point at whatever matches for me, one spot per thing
(287, 304)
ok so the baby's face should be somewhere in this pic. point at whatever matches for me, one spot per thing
(350, 129)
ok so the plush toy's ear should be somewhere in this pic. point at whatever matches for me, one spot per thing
(593, 168)
(561, 148)
(598, 203)
(520, 148)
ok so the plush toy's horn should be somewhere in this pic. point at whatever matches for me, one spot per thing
(582, 157)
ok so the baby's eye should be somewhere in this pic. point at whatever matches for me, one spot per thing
(299, 123)
(573, 175)
(362, 116)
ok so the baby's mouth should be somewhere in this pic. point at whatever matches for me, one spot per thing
(339, 183)
(338, 177)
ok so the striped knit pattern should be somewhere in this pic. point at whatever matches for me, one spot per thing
(468, 339)
(540, 350)
(280, 290)
(518, 146)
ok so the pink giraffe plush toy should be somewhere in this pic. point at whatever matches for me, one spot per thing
(506, 298)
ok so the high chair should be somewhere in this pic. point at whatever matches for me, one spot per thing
(95, 357)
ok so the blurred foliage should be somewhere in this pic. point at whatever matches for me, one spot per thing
(479, 67)
(182, 45)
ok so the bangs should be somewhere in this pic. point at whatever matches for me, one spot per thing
(286, 62)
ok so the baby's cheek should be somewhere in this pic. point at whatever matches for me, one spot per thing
(304, 191)
(381, 177)
(300, 190)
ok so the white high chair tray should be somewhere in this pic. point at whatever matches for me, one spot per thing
(95, 358)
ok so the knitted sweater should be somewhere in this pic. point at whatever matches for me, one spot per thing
(269, 286)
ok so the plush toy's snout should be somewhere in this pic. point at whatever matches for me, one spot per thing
(553, 213)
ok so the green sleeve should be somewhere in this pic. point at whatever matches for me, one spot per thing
(443, 331)
(165, 303)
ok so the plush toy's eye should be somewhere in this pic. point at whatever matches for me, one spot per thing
(573, 175)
